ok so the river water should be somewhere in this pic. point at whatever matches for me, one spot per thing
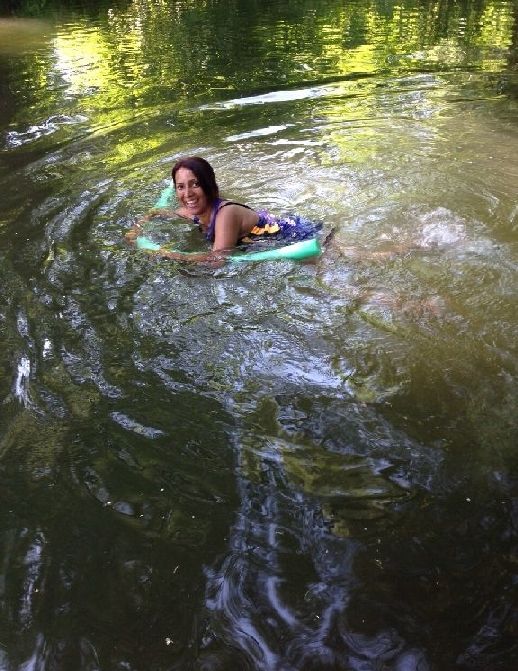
(275, 466)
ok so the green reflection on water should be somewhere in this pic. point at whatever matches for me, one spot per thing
(98, 102)
(144, 54)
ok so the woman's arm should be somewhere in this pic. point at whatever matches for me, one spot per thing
(208, 257)
(138, 228)
(229, 228)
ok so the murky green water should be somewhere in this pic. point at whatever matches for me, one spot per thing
(274, 466)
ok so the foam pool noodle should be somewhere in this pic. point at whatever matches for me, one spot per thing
(145, 243)
(165, 198)
(297, 251)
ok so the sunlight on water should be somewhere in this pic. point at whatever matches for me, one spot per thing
(270, 466)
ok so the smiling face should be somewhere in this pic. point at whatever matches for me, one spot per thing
(190, 193)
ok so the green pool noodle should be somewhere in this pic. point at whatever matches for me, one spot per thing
(165, 198)
(298, 251)
(145, 243)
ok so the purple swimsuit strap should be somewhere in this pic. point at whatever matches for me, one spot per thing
(210, 234)
(218, 204)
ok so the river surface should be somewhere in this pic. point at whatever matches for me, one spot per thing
(275, 466)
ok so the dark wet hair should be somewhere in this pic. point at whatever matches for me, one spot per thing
(204, 174)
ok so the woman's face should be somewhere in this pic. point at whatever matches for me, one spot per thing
(189, 192)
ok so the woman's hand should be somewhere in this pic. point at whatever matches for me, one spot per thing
(138, 227)
(160, 212)
(133, 233)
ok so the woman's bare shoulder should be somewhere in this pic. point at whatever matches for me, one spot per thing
(234, 208)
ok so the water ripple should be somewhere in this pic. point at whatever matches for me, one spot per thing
(51, 125)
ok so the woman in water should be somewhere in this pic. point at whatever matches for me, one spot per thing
(224, 223)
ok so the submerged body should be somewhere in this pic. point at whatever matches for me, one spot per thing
(267, 225)
(224, 223)
(297, 251)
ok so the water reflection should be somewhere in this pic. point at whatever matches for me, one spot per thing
(22, 36)
(271, 466)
